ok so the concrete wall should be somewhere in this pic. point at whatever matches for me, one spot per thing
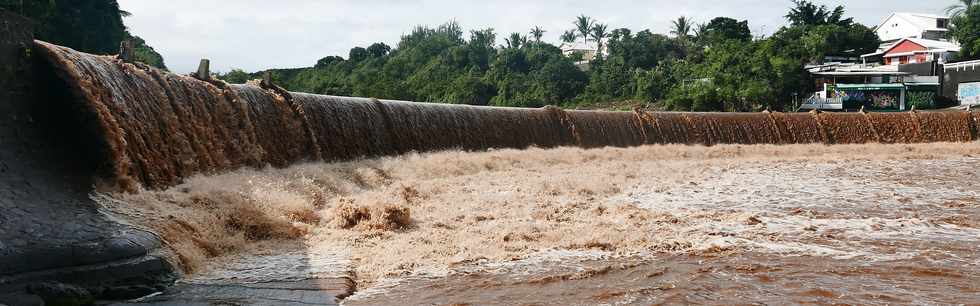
(953, 76)
(51, 233)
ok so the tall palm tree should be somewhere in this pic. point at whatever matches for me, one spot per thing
(699, 30)
(584, 26)
(957, 10)
(516, 40)
(682, 27)
(599, 32)
(569, 36)
(537, 32)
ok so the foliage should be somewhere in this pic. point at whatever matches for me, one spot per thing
(681, 27)
(583, 24)
(805, 13)
(967, 32)
(569, 36)
(94, 26)
(721, 29)
(715, 66)
(145, 53)
(956, 10)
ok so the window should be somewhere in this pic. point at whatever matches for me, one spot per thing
(942, 23)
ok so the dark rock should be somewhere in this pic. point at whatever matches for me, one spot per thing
(21, 299)
(58, 294)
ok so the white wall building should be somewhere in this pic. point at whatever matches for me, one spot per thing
(586, 49)
(913, 25)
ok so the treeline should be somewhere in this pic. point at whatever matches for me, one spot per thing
(93, 26)
(714, 66)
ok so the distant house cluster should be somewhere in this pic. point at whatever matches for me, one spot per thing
(909, 38)
(911, 68)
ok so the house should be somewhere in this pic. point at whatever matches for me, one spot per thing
(849, 86)
(911, 50)
(909, 69)
(913, 25)
(587, 50)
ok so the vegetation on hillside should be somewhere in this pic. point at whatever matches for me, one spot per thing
(714, 66)
(94, 26)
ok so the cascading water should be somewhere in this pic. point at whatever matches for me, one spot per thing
(101, 121)
(162, 127)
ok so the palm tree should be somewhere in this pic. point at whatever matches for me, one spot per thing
(957, 10)
(599, 33)
(699, 30)
(584, 26)
(537, 32)
(682, 27)
(569, 36)
(516, 40)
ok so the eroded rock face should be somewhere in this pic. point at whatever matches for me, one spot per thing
(49, 227)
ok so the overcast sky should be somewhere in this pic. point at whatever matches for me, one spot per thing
(261, 34)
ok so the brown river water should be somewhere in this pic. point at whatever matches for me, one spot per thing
(729, 224)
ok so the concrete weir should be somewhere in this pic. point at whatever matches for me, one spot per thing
(54, 243)
(71, 123)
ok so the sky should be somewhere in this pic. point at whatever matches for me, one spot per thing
(255, 35)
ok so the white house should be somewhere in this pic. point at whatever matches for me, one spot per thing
(913, 25)
(915, 50)
(586, 49)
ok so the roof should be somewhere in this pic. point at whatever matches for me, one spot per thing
(926, 22)
(579, 46)
(930, 45)
(870, 86)
(859, 73)
(853, 68)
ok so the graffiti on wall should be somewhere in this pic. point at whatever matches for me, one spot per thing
(921, 99)
(873, 99)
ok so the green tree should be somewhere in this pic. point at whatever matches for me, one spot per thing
(599, 33)
(583, 24)
(721, 29)
(956, 10)
(805, 13)
(378, 49)
(516, 41)
(145, 53)
(327, 61)
(537, 33)
(967, 32)
(358, 54)
(681, 27)
(93, 26)
(569, 36)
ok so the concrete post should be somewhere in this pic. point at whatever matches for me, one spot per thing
(126, 52)
(901, 99)
(267, 78)
(204, 70)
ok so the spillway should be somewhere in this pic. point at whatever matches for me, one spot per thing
(125, 126)
(160, 127)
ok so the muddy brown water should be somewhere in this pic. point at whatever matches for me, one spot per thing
(912, 241)
(159, 128)
(796, 224)
(741, 279)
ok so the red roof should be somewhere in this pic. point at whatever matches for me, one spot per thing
(905, 46)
